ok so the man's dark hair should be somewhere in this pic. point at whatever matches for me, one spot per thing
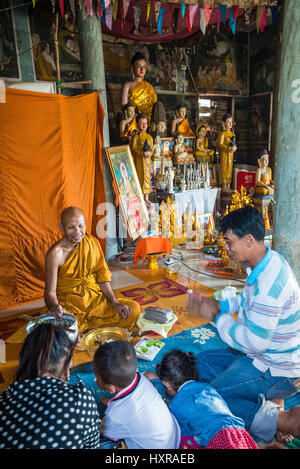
(246, 220)
(116, 363)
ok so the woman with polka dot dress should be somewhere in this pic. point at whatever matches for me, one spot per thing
(40, 409)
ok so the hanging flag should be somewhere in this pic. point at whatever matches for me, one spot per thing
(61, 7)
(160, 20)
(182, 6)
(175, 19)
(89, 8)
(137, 16)
(263, 21)
(115, 5)
(33, 3)
(235, 10)
(259, 13)
(202, 20)
(107, 3)
(208, 11)
(192, 12)
(222, 10)
(125, 7)
(274, 12)
(72, 7)
(148, 10)
(122, 15)
(98, 10)
(232, 21)
(188, 18)
(157, 8)
(109, 17)
(218, 15)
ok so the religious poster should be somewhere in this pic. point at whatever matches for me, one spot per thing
(8, 51)
(220, 63)
(42, 23)
(128, 190)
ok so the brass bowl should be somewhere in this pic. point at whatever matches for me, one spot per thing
(92, 340)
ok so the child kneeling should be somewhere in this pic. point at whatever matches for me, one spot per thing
(204, 417)
(137, 413)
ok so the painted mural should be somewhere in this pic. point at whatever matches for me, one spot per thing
(8, 51)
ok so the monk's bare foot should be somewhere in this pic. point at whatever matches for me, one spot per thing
(283, 437)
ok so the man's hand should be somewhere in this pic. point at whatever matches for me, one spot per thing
(57, 311)
(202, 306)
(123, 310)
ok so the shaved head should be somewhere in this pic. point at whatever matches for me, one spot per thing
(70, 212)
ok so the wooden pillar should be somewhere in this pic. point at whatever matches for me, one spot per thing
(286, 235)
(92, 63)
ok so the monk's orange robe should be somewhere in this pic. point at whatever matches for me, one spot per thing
(79, 293)
(184, 129)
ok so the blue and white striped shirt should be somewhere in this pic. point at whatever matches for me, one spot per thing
(268, 324)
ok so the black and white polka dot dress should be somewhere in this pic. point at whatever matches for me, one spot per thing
(46, 413)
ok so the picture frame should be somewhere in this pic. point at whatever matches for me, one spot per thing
(128, 190)
(213, 174)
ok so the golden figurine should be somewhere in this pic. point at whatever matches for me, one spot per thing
(202, 152)
(180, 124)
(139, 91)
(128, 125)
(264, 184)
(180, 153)
(227, 146)
(240, 199)
(141, 146)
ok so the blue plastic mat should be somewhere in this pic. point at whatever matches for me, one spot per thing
(194, 340)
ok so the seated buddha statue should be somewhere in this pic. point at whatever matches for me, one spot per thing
(180, 124)
(138, 91)
(202, 152)
(141, 146)
(180, 153)
(128, 123)
(264, 184)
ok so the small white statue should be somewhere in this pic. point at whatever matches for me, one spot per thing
(157, 153)
(170, 178)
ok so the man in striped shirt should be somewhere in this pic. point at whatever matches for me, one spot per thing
(263, 358)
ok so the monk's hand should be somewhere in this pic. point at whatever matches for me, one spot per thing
(202, 306)
(57, 311)
(123, 310)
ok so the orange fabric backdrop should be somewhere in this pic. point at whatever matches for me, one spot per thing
(50, 158)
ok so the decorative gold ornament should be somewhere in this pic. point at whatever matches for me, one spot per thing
(240, 199)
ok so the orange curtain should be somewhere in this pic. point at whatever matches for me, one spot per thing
(50, 158)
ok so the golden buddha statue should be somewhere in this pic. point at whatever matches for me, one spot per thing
(264, 184)
(180, 153)
(128, 124)
(141, 146)
(180, 124)
(202, 152)
(227, 146)
(139, 91)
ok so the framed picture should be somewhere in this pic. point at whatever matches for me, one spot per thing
(128, 190)
(213, 174)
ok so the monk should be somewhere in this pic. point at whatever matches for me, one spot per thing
(180, 124)
(78, 279)
(128, 125)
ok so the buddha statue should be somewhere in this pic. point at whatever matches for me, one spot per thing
(139, 91)
(180, 124)
(128, 123)
(141, 146)
(180, 154)
(264, 184)
(157, 149)
(202, 152)
(227, 146)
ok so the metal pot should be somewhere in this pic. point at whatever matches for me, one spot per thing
(68, 321)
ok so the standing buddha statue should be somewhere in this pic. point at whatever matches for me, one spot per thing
(227, 146)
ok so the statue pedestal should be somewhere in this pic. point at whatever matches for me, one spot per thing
(262, 202)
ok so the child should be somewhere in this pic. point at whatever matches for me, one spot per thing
(136, 413)
(203, 416)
